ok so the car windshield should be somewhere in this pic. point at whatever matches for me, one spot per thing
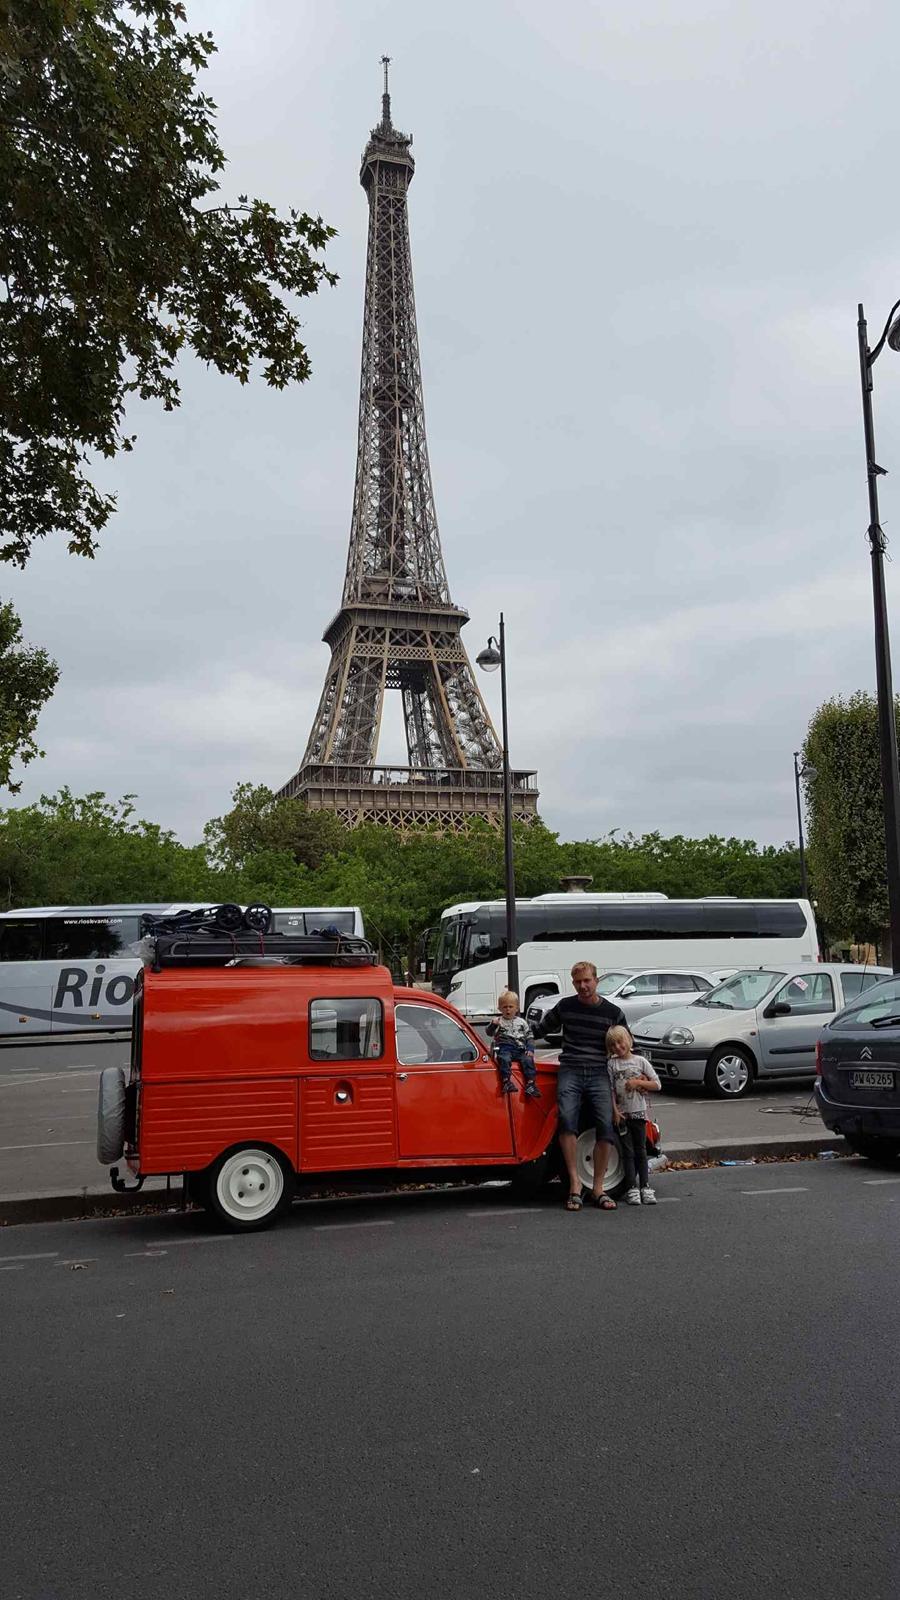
(881, 1001)
(742, 991)
(610, 980)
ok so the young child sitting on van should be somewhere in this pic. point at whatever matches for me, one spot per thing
(513, 1041)
(633, 1079)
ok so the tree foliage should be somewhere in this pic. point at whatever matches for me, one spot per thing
(69, 849)
(846, 818)
(81, 850)
(260, 821)
(28, 678)
(110, 263)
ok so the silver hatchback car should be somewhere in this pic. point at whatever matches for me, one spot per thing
(636, 993)
(763, 1022)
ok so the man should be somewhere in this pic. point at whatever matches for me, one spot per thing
(583, 1019)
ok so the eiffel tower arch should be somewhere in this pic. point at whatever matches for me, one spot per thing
(397, 628)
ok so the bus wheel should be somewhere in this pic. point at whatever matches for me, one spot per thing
(250, 1187)
(536, 993)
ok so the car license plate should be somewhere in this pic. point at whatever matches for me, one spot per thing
(871, 1080)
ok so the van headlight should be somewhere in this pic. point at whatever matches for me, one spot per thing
(679, 1036)
(455, 986)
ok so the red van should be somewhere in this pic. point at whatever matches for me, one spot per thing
(257, 1077)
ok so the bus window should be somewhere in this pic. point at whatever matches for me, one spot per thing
(90, 938)
(21, 941)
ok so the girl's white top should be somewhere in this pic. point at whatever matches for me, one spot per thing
(633, 1102)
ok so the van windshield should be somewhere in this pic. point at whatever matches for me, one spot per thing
(742, 991)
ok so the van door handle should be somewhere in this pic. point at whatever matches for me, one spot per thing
(402, 1077)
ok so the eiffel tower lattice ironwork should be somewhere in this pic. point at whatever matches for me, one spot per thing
(397, 628)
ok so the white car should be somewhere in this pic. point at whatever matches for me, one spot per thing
(638, 993)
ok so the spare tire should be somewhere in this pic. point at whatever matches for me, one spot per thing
(111, 1116)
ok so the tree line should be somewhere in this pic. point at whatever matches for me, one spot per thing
(89, 849)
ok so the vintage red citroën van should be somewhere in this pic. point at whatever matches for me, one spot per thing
(262, 1063)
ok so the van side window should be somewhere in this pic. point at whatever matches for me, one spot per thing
(345, 1029)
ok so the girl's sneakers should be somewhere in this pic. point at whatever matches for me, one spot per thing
(633, 1197)
(648, 1198)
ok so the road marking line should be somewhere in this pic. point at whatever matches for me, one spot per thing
(669, 1199)
(42, 1255)
(146, 1255)
(881, 1180)
(801, 1190)
(76, 1261)
(12, 1269)
(208, 1238)
(512, 1211)
(336, 1227)
(53, 1144)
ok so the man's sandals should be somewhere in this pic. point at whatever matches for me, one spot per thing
(603, 1202)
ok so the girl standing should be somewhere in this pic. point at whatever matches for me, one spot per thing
(633, 1079)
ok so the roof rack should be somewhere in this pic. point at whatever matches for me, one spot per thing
(255, 949)
(227, 936)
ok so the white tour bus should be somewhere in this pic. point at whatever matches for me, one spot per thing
(627, 931)
(66, 969)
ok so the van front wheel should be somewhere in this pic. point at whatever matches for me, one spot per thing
(250, 1187)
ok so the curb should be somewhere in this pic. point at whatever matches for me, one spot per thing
(83, 1204)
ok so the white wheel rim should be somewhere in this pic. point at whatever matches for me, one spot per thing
(584, 1156)
(249, 1185)
(732, 1074)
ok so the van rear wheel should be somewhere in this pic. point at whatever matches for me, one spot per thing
(250, 1187)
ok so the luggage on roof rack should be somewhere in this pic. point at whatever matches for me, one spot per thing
(202, 949)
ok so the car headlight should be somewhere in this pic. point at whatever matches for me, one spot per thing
(679, 1036)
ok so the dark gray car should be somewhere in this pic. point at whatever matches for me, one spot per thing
(858, 1072)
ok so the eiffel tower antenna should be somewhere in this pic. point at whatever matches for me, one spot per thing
(397, 627)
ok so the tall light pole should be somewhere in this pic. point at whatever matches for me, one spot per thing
(887, 730)
(490, 658)
(802, 769)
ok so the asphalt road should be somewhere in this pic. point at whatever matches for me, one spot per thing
(441, 1397)
(48, 1116)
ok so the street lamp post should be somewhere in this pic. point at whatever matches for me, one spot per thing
(490, 658)
(887, 730)
(802, 769)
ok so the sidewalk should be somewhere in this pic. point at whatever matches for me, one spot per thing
(64, 1181)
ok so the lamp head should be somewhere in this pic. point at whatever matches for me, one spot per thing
(489, 658)
(893, 337)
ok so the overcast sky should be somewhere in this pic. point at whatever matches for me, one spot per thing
(640, 232)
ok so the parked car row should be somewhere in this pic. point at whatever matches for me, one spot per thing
(727, 1032)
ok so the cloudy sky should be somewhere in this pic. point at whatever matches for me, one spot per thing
(640, 232)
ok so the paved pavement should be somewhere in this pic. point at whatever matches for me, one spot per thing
(48, 1110)
(437, 1397)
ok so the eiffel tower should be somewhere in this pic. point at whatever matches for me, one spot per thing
(397, 627)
